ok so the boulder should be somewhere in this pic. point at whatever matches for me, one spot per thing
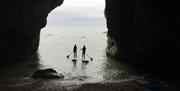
(47, 74)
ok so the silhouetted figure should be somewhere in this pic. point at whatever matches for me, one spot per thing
(83, 52)
(75, 51)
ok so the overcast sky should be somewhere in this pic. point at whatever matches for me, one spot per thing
(78, 13)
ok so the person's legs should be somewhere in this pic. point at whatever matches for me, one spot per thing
(83, 56)
(75, 54)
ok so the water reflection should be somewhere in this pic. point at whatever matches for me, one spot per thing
(74, 64)
(83, 68)
(114, 70)
(74, 68)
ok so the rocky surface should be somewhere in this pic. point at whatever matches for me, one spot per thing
(47, 74)
(144, 32)
(21, 22)
(56, 85)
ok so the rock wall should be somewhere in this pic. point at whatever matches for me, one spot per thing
(120, 19)
(21, 22)
(144, 32)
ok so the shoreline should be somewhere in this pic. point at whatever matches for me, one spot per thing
(60, 85)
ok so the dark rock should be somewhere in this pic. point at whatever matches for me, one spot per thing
(47, 74)
(144, 33)
(21, 22)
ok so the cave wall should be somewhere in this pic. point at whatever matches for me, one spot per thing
(20, 25)
(144, 32)
(120, 17)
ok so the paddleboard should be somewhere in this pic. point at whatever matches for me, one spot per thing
(86, 61)
(74, 59)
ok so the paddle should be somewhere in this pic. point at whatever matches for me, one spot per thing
(89, 57)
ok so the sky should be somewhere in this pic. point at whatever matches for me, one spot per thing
(78, 13)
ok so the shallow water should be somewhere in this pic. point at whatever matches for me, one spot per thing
(80, 22)
(57, 44)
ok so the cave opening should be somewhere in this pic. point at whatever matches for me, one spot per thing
(79, 22)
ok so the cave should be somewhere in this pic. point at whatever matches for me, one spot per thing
(142, 33)
(145, 31)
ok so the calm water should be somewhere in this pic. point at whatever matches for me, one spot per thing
(57, 44)
(82, 23)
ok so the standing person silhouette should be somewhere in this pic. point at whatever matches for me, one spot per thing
(75, 51)
(83, 52)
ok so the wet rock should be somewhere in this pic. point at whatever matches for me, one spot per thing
(47, 74)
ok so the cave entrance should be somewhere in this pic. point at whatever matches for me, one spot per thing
(79, 22)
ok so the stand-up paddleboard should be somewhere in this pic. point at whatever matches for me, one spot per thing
(74, 59)
(85, 60)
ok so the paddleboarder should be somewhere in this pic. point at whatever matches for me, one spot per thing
(83, 52)
(75, 51)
